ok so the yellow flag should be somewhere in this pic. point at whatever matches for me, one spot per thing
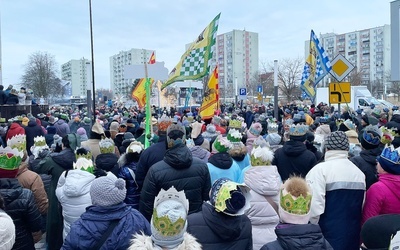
(211, 97)
(139, 92)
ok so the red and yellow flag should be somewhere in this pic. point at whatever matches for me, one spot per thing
(152, 58)
(139, 92)
(211, 97)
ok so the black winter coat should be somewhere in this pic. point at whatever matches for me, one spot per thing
(31, 131)
(12, 99)
(294, 159)
(394, 122)
(181, 170)
(21, 207)
(306, 237)
(3, 97)
(148, 158)
(366, 162)
(216, 230)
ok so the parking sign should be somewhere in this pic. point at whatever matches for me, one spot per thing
(242, 91)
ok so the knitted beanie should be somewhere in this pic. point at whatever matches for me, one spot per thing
(371, 137)
(337, 141)
(7, 231)
(254, 130)
(176, 134)
(273, 139)
(81, 131)
(114, 126)
(377, 232)
(168, 223)
(295, 201)
(107, 191)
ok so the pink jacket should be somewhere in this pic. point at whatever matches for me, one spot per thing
(383, 197)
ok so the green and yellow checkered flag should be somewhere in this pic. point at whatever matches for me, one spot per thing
(194, 63)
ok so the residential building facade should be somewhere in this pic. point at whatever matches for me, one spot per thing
(237, 57)
(120, 85)
(77, 76)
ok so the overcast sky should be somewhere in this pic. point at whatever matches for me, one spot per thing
(61, 27)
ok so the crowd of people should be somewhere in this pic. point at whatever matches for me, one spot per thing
(314, 178)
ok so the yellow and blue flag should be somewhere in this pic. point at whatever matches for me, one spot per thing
(316, 67)
(194, 63)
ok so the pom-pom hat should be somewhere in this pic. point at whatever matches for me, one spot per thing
(254, 130)
(107, 190)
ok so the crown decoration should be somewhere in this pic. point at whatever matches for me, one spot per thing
(18, 142)
(339, 121)
(222, 144)
(323, 119)
(261, 156)
(391, 154)
(164, 122)
(235, 124)
(80, 154)
(298, 130)
(10, 158)
(350, 125)
(289, 122)
(39, 141)
(135, 147)
(172, 225)
(272, 127)
(295, 205)
(372, 134)
(106, 146)
(387, 135)
(84, 164)
(234, 135)
(224, 194)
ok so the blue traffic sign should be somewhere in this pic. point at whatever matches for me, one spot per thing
(242, 91)
(259, 89)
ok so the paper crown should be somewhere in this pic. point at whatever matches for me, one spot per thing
(135, 147)
(234, 135)
(349, 124)
(387, 135)
(221, 144)
(272, 127)
(372, 134)
(261, 156)
(18, 142)
(298, 130)
(169, 226)
(295, 205)
(106, 146)
(87, 154)
(84, 164)
(235, 124)
(10, 158)
(391, 154)
(39, 141)
(289, 122)
(164, 122)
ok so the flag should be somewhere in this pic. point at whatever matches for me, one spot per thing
(316, 67)
(211, 97)
(194, 63)
(152, 58)
(139, 92)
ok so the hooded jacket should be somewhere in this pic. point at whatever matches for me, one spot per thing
(93, 223)
(128, 172)
(265, 183)
(366, 162)
(324, 130)
(178, 169)
(216, 230)
(305, 237)
(62, 127)
(200, 152)
(394, 122)
(143, 242)
(382, 197)
(20, 206)
(222, 165)
(31, 131)
(293, 159)
(14, 129)
(73, 193)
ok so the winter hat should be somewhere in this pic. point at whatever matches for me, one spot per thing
(128, 135)
(84, 164)
(114, 126)
(106, 161)
(176, 134)
(97, 128)
(337, 141)
(51, 130)
(390, 159)
(254, 130)
(135, 147)
(221, 145)
(261, 156)
(295, 201)
(371, 137)
(273, 139)
(216, 120)
(168, 223)
(229, 197)
(7, 231)
(107, 146)
(196, 129)
(87, 120)
(377, 232)
(57, 140)
(25, 121)
(107, 190)
(81, 131)
(52, 120)
(10, 159)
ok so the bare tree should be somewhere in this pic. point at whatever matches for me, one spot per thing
(376, 87)
(355, 77)
(394, 86)
(289, 76)
(41, 75)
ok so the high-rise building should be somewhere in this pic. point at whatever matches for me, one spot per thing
(395, 40)
(79, 75)
(368, 50)
(237, 58)
(119, 85)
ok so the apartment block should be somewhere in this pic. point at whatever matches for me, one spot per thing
(77, 76)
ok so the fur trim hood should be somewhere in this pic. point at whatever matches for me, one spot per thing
(143, 242)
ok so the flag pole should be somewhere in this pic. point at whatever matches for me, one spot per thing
(148, 108)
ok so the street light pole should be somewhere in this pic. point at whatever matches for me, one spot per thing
(92, 53)
(236, 92)
(276, 89)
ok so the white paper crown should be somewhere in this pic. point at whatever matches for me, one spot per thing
(39, 141)
(18, 142)
(106, 146)
(298, 130)
(234, 135)
(84, 164)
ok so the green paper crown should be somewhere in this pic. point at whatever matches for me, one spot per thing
(219, 147)
(235, 124)
(86, 156)
(107, 146)
(165, 226)
(39, 141)
(10, 158)
(300, 205)
(18, 142)
(84, 164)
(234, 135)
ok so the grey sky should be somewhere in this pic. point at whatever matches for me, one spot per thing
(61, 27)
